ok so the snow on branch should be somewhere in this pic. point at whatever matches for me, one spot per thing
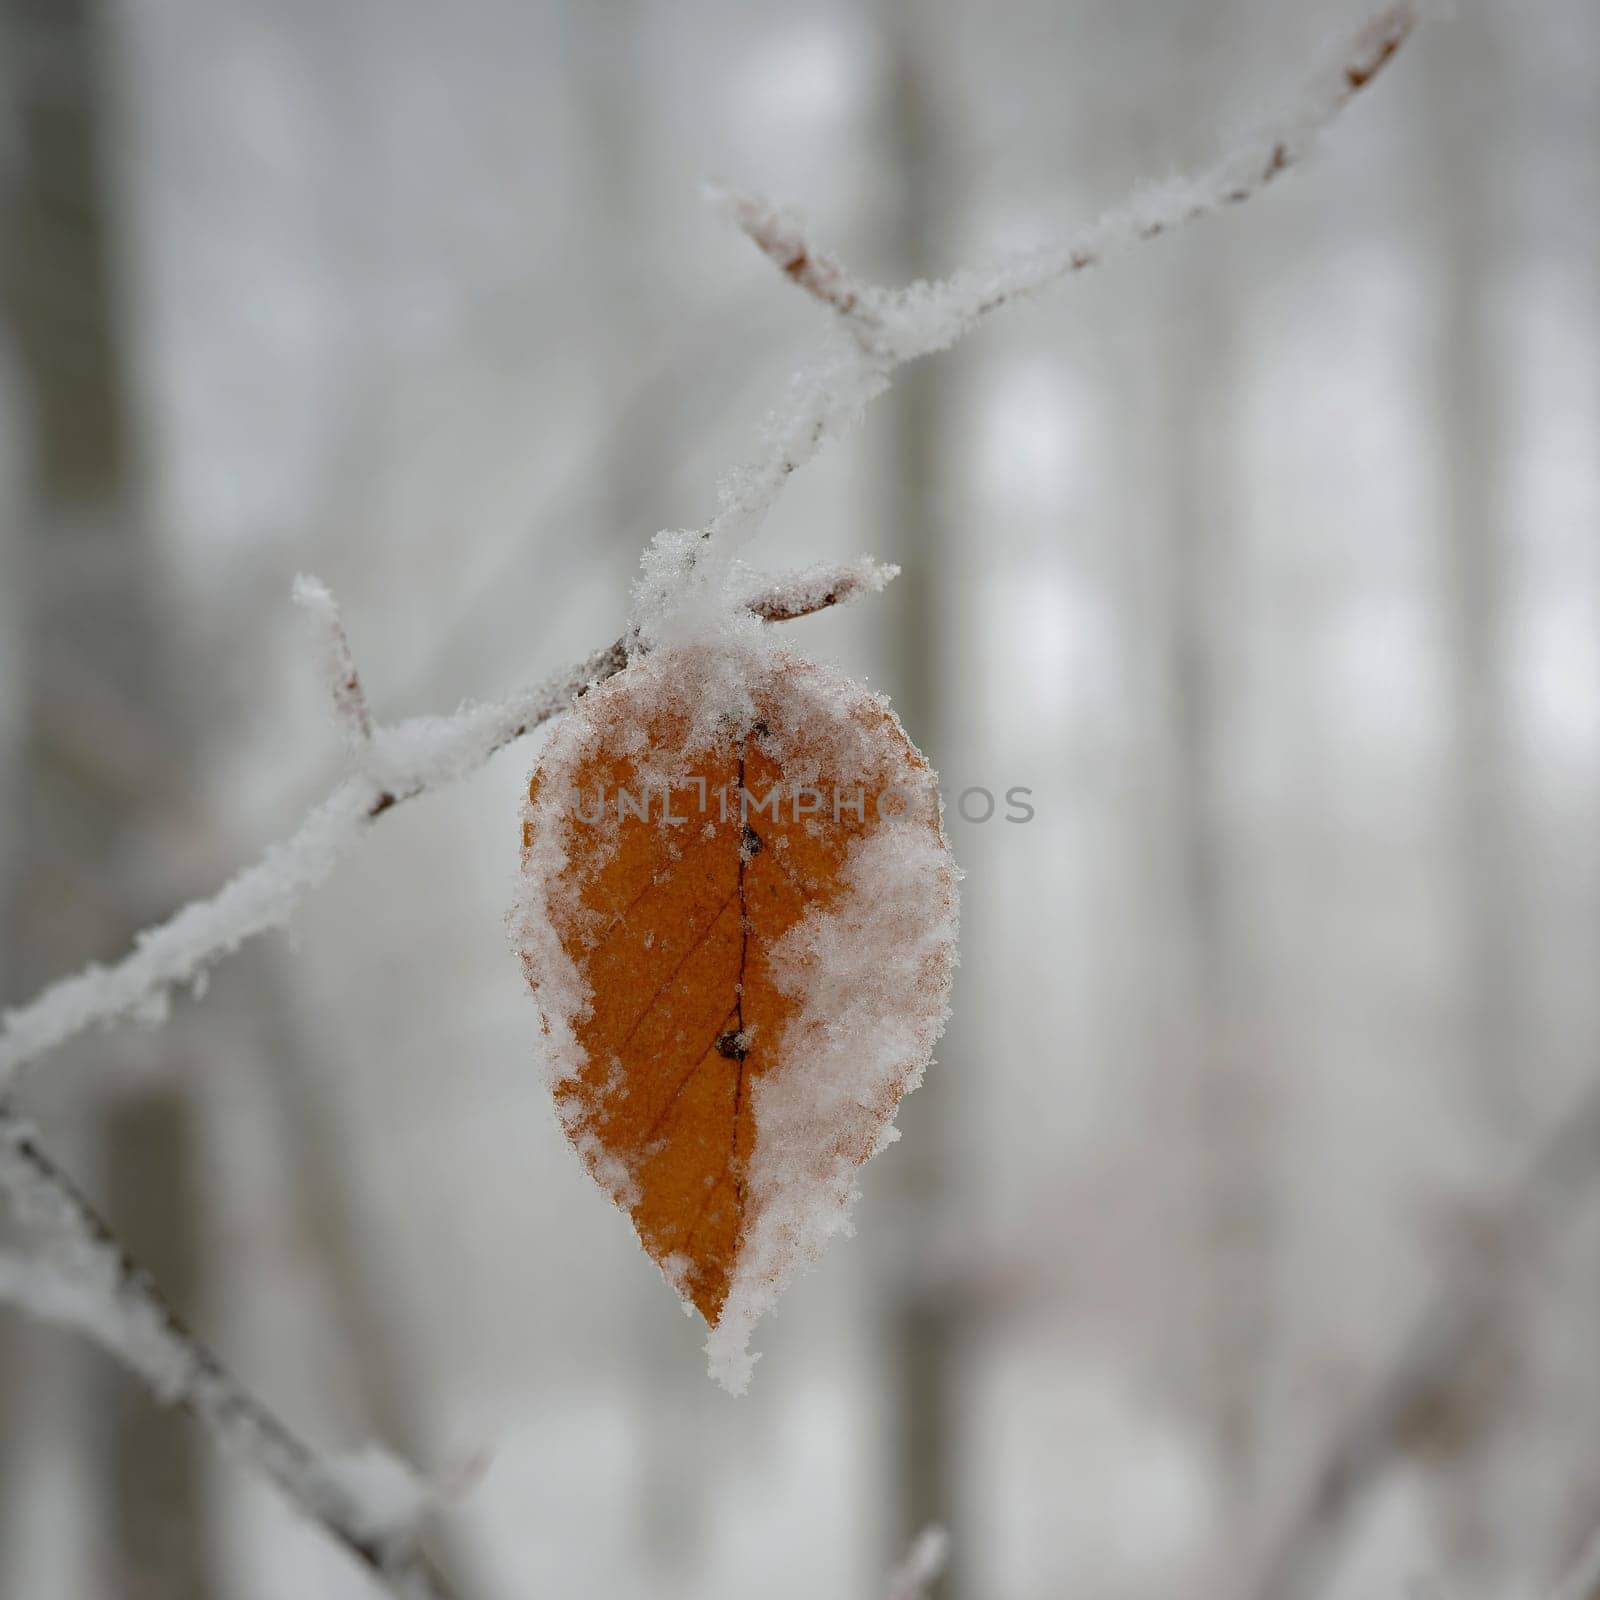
(781, 238)
(932, 316)
(349, 698)
(401, 762)
(814, 589)
(82, 1278)
(887, 328)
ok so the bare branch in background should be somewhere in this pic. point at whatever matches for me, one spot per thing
(370, 1503)
(1443, 1338)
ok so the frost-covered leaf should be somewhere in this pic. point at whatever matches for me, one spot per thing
(739, 923)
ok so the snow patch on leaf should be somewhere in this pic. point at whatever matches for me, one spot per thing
(738, 920)
(871, 976)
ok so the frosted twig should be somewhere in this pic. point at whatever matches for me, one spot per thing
(923, 1565)
(892, 327)
(349, 698)
(931, 316)
(369, 1503)
(782, 239)
(403, 761)
(814, 589)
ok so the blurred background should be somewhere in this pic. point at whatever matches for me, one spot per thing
(1245, 1240)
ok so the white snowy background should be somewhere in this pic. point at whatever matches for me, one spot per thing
(1267, 559)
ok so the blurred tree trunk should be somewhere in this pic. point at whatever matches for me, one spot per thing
(1466, 96)
(1202, 582)
(1468, 263)
(1229, 1102)
(95, 690)
(924, 1319)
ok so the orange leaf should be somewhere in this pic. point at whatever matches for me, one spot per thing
(739, 925)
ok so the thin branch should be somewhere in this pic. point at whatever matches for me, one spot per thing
(814, 589)
(404, 761)
(781, 238)
(932, 316)
(888, 328)
(86, 1280)
(345, 689)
